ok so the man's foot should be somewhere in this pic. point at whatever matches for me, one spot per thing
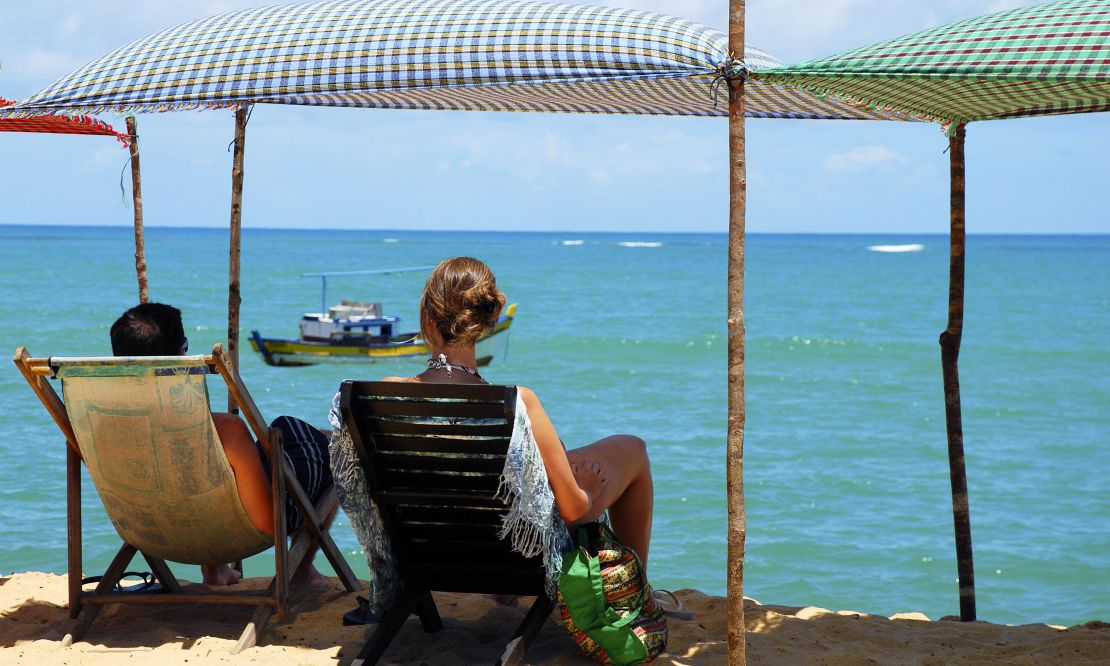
(219, 574)
(306, 574)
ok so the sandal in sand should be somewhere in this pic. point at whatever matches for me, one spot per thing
(362, 614)
(147, 582)
(672, 606)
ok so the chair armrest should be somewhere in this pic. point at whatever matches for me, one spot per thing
(35, 371)
(238, 391)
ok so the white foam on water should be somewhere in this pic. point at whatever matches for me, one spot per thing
(391, 240)
(573, 242)
(639, 244)
(909, 247)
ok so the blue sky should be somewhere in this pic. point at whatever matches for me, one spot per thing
(375, 169)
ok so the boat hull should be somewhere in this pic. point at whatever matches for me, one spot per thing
(284, 352)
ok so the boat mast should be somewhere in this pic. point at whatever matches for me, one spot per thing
(384, 271)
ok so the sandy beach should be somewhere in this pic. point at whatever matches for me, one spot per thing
(33, 617)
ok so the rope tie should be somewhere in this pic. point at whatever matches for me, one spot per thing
(729, 70)
(122, 189)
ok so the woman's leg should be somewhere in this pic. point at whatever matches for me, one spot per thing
(627, 491)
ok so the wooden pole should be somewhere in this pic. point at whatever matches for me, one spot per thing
(233, 296)
(950, 357)
(137, 207)
(734, 471)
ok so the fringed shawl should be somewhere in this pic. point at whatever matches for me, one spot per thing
(532, 524)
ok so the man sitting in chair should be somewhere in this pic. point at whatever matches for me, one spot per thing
(155, 329)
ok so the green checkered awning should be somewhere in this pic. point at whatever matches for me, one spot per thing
(1040, 60)
(485, 55)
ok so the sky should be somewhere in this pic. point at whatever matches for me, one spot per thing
(420, 170)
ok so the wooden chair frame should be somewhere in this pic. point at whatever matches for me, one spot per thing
(84, 606)
(419, 577)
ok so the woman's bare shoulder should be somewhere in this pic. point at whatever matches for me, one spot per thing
(528, 395)
(400, 379)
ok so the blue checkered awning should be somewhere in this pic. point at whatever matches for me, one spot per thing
(487, 55)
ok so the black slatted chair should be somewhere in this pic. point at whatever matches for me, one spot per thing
(433, 456)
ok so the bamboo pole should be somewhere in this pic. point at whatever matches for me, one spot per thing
(137, 208)
(734, 471)
(950, 357)
(233, 296)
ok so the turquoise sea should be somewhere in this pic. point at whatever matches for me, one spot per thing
(845, 455)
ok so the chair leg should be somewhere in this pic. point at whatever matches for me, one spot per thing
(73, 528)
(254, 628)
(327, 508)
(407, 602)
(429, 614)
(317, 519)
(162, 573)
(112, 575)
(526, 632)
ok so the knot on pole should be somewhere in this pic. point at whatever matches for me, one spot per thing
(730, 72)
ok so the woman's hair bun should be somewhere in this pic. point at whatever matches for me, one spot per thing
(461, 301)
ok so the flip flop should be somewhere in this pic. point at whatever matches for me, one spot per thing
(148, 583)
(672, 607)
(362, 614)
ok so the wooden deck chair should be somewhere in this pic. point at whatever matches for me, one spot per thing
(144, 429)
(433, 455)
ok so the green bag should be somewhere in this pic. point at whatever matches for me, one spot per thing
(605, 602)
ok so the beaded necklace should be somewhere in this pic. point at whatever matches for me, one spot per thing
(440, 363)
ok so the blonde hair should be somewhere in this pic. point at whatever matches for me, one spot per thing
(461, 301)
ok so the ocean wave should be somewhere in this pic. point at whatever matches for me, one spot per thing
(573, 242)
(908, 247)
(639, 244)
(391, 240)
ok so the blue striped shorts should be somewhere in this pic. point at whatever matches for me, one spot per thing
(306, 454)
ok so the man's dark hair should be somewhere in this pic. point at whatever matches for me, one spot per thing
(149, 329)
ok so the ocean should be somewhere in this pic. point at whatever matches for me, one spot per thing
(846, 467)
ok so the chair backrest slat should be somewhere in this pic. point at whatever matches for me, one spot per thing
(433, 455)
(393, 441)
(444, 463)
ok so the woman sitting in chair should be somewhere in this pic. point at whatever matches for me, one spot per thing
(461, 301)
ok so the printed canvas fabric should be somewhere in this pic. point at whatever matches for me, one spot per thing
(155, 458)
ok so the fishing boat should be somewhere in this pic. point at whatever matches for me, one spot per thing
(358, 332)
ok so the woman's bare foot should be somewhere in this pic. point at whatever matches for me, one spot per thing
(219, 574)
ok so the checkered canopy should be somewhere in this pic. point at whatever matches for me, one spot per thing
(1041, 60)
(486, 55)
(48, 124)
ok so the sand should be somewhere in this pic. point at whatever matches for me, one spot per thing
(33, 617)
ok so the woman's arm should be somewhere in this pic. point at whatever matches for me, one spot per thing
(573, 501)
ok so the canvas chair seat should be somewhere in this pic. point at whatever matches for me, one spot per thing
(153, 453)
(144, 429)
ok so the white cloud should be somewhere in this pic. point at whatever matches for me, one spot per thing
(69, 25)
(862, 159)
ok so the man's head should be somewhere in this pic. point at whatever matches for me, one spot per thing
(149, 329)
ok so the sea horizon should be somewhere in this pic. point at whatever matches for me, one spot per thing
(558, 231)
